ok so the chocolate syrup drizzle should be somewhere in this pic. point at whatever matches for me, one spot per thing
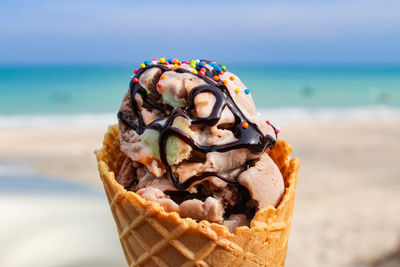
(250, 138)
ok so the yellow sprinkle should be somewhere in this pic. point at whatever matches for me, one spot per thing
(162, 77)
(195, 72)
(143, 65)
(237, 90)
(231, 78)
(224, 81)
(176, 66)
(162, 60)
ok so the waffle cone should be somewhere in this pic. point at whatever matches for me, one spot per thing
(151, 236)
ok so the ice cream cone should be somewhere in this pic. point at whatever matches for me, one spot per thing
(152, 237)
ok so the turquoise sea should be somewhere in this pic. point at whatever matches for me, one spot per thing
(69, 90)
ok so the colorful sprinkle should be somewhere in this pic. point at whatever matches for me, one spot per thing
(136, 80)
(219, 69)
(146, 62)
(195, 72)
(171, 68)
(179, 63)
(216, 78)
(193, 63)
(267, 122)
(223, 68)
(221, 72)
(170, 60)
(143, 65)
(224, 81)
(162, 77)
(201, 64)
(247, 91)
(277, 130)
(135, 71)
(148, 92)
(159, 85)
(175, 61)
(176, 65)
(231, 78)
(162, 60)
(237, 90)
(155, 59)
(245, 125)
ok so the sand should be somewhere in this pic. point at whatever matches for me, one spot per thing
(347, 209)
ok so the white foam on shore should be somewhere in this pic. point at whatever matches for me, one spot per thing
(330, 114)
(280, 115)
(63, 121)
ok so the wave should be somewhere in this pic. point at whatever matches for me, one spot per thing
(57, 121)
(330, 114)
(280, 115)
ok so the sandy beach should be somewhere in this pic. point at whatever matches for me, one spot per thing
(347, 204)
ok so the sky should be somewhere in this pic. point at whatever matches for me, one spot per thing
(122, 31)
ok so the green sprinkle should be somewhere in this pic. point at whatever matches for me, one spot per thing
(148, 92)
(223, 67)
(193, 63)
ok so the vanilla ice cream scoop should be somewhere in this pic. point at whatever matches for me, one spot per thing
(194, 130)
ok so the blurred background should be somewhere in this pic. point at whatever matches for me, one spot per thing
(326, 72)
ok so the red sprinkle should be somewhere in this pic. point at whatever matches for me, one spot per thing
(277, 131)
(221, 72)
(179, 63)
(136, 71)
(268, 122)
(166, 63)
(135, 80)
(159, 85)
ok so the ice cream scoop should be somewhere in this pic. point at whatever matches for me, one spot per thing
(195, 143)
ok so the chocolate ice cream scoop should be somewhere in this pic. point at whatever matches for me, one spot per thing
(195, 143)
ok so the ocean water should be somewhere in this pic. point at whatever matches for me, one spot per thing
(86, 94)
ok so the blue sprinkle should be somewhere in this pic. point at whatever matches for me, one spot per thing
(247, 91)
(170, 60)
(201, 64)
(219, 69)
(146, 62)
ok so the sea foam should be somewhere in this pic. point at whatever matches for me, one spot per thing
(276, 115)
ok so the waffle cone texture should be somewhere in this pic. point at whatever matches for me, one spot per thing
(151, 236)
